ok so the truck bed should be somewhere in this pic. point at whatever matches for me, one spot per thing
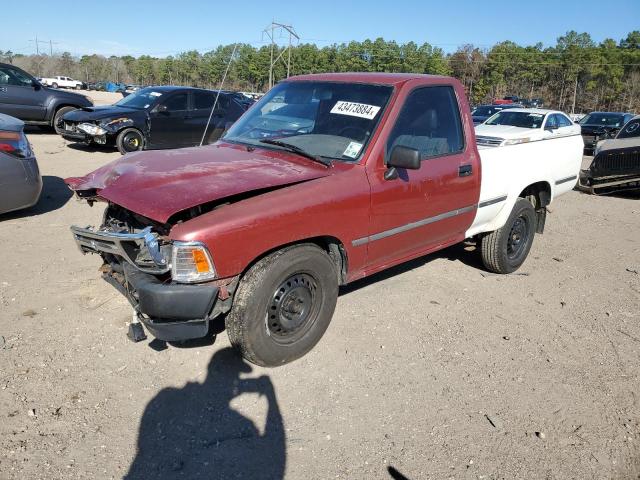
(508, 170)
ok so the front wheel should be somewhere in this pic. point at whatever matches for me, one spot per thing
(58, 123)
(506, 249)
(283, 305)
(129, 140)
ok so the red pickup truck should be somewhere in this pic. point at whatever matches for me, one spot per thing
(327, 179)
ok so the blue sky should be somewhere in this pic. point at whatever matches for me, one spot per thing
(164, 27)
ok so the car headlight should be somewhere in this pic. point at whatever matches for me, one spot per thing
(516, 141)
(191, 262)
(91, 129)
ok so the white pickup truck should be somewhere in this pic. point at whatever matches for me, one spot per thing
(61, 82)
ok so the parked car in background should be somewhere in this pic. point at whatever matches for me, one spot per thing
(98, 86)
(506, 100)
(616, 164)
(598, 126)
(261, 229)
(532, 103)
(523, 125)
(154, 118)
(23, 97)
(20, 182)
(63, 82)
(482, 112)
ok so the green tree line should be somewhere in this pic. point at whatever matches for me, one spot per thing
(575, 74)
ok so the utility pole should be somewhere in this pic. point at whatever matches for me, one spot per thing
(270, 32)
(38, 42)
(575, 91)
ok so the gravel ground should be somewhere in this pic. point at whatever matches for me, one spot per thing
(435, 369)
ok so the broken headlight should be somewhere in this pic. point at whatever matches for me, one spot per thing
(91, 129)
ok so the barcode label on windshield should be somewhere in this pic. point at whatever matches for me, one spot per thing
(353, 109)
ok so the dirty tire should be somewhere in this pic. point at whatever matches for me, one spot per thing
(57, 118)
(54, 85)
(78, 87)
(129, 140)
(506, 249)
(283, 305)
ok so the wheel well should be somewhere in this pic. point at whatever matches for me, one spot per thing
(333, 246)
(57, 109)
(539, 194)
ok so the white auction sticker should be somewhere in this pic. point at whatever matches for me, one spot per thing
(352, 150)
(361, 110)
(155, 94)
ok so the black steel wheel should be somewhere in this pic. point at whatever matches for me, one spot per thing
(129, 140)
(58, 123)
(506, 249)
(283, 305)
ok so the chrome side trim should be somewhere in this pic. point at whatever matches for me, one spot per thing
(96, 241)
(410, 226)
(566, 179)
(492, 201)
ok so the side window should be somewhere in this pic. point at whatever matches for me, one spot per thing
(203, 100)
(429, 122)
(9, 76)
(551, 121)
(563, 121)
(176, 102)
(630, 130)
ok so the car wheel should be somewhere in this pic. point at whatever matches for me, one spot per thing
(283, 305)
(78, 87)
(54, 85)
(129, 140)
(58, 123)
(506, 249)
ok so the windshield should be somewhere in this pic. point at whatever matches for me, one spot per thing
(325, 119)
(630, 130)
(517, 119)
(140, 99)
(604, 119)
(485, 111)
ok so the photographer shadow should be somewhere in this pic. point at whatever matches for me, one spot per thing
(192, 432)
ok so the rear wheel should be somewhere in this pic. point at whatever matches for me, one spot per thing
(283, 305)
(54, 85)
(78, 86)
(129, 140)
(58, 123)
(506, 249)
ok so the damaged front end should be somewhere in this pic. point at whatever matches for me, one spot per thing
(612, 170)
(172, 286)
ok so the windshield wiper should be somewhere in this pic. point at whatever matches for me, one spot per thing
(300, 151)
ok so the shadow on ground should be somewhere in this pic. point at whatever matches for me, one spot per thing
(465, 252)
(55, 194)
(192, 432)
(91, 148)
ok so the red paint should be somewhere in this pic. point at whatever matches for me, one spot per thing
(346, 202)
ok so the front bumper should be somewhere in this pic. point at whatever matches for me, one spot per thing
(170, 311)
(73, 134)
(136, 265)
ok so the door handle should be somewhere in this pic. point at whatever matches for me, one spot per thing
(465, 170)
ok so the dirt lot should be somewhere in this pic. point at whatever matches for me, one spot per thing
(436, 369)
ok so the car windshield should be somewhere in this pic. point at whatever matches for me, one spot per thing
(140, 99)
(517, 119)
(484, 111)
(630, 130)
(325, 119)
(604, 119)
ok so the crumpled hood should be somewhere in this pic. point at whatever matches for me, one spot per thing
(159, 184)
(89, 114)
(507, 131)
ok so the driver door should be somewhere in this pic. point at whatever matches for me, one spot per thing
(20, 97)
(169, 127)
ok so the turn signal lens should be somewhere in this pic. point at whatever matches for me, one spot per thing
(191, 262)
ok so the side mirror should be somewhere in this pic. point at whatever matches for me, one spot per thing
(35, 84)
(402, 157)
(551, 128)
(161, 109)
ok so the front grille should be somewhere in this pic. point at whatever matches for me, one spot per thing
(489, 141)
(617, 162)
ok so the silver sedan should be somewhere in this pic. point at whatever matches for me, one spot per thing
(20, 181)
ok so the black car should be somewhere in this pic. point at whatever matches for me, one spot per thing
(24, 97)
(483, 112)
(155, 118)
(601, 125)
